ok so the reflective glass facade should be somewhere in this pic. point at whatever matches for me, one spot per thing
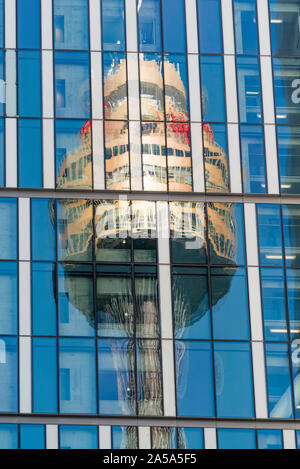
(149, 224)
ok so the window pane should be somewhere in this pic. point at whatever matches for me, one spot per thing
(288, 141)
(116, 150)
(194, 379)
(74, 230)
(144, 231)
(249, 89)
(190, 438)
(9, 436)
(1, 23)
(9, 298)
(113, 25)
(76, 300)
(42, 229)
(287, 90)
(29, 84)
(245, 23)
(173, 24)
(71, 24)
(210, 26)
(30, 153)
(73, 154)
(8, 229)
(154, 156)
(44, 375)
(72, 85)
(112, 228)
(164, 438)
(293, 294)
(4, 92)
(291, 229)
(176, 88)
(32, 436)
(269, 439)
(124, 438)
(28, 24)
(115, 304)
(77, 376)
(273, 304)
(187, 226)
(179, 157)
(78, 437)
(233, 438)
(115, 86)
(2, 151)
(147, 307)
(284, 17)
(215, 157)
(226, 233)
(269, 234)
(43, 298)
(152, 87)
(278, 381)
(149, 25)
(149, 378)
(9, 375)
(253, 159)
(233, 380)
(230, 304)
(191, 303)
(116, 374)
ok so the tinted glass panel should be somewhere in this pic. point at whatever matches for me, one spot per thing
(215, 157)
(43, 298)
(8, 229)
(29, 84)
(2, 154)
(42, 230)
(28, 24)
(149, 24)
(154, 156)
(30, 153)
(71, 28)
(285, 32)
(179, 157)
(273, 303)
(1, 23)
(288, 141)
(164, 438)
(269, 439)
(32, 436)
(9, 298)
(116, 152)
(151, 87)
(269, 234)
(44, 375)
(115, 86)
(190, 438)
(293, 294)
(245, 24)
(78, 437)
(173, 23)
(291, 228)
(212, 81)
(124, 438)
(210, 26)
(113, 25)
(232, 438)
(253, 159)
(249, 90)
(9, 375)
(287, 90)
(9, 436)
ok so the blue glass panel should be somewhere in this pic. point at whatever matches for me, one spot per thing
(2, 79)
(76, 300)
(269, 439)
(152, 92)
(173, 24)
(9, 298)
(77, 376)
(210, 26)
(78, 437)
(269, 234)
(190, 294)
(226, 233)
(190, 438)
(245, 22)
(115, 95)
(72, 85)
(71, 24)
(124, 437)
(9, 436)
(288, 143)
(42, 230)
(233, 438)
(8, 229)
(113, 25)
(149, 23)
(2, 152)
(213, 94)
(29, 84)
(279, 381)
(293, 297)
(73, 154)
(298, 438)
(1, 24)
(249, 89)
(176, 96)
(291, 229)
(287, 90)
(216, 157)
(9, 374)
(43, 299)
(28, 24)
(230, 304)
(253, 159)
(32, 436)
(30, 153)
(285, 30)
(194, 379)
(116, 377)
(44, 375)
(273, 304)
(233, 380)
